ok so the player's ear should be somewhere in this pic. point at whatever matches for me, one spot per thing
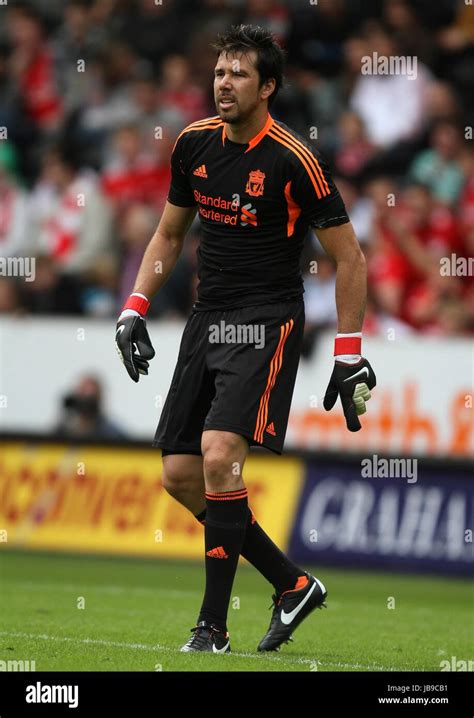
(267, 88)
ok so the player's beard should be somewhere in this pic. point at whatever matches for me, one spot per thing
(236, 115)
(231, 115)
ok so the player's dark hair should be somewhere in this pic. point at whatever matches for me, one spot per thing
(270, 56)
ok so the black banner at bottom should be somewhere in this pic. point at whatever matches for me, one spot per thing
(147, 694)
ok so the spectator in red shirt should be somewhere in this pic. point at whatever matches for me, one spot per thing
(388, 268)
(466, 202)
(71, 221)
(134, 175)
(433, 224)
(32, 68)
(354, 150)
(404, 267)
(179, 92)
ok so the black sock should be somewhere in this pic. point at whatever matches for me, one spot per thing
(224, 530)
(261, 552)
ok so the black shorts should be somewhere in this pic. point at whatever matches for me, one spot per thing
(236, 372)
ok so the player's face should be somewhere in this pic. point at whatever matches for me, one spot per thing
(236, 86)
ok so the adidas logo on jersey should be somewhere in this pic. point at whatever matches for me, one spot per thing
(201, 171)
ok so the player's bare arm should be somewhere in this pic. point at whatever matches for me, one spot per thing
(131, 336)
(352, 377)
(351, 279)
(164, 249)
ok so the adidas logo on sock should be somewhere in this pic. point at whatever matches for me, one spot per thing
(217, 552)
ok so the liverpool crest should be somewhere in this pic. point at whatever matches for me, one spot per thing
(254, 186)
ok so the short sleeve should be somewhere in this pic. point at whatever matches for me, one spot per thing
(180, 193)
(313, 189)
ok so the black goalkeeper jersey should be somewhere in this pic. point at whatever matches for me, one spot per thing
(256, 202)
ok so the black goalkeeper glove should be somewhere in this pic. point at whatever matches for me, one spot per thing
(352, 382)
(133, 343)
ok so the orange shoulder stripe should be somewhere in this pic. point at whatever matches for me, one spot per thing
(210, 123)
(206, 119)
(304, 162)
(300, 150)
(307, 152)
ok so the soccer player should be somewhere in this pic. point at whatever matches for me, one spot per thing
(257, 187)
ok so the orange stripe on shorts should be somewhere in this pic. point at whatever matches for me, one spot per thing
(275, 366)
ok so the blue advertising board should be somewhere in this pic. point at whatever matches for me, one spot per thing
(352, 515)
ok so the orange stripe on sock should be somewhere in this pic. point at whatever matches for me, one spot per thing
(226, 495)
(219, 493)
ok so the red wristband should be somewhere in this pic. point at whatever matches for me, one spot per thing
(347, 345)
(139, 304)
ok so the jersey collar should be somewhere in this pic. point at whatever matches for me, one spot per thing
(255, 140)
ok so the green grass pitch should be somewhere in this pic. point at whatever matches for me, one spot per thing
(137, 614)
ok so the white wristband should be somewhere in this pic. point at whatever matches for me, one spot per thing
(348, 358)
(129, 313)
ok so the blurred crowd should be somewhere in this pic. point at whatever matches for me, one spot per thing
(93, 94)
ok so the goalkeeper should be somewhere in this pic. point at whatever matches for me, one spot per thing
(258, 187)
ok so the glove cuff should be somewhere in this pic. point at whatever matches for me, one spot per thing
(348, 347)
(136, 304)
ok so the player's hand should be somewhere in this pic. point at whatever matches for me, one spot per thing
(133, 345)
(131, 336)
(352, 382)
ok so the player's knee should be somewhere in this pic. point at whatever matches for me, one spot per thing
(224, 455)
(179, 476)
(221, 463)
(171, 482)
(215, 465)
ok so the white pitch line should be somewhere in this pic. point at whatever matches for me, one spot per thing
(167, 649)
(92, 641)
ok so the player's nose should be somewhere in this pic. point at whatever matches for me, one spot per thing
(225, 83)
